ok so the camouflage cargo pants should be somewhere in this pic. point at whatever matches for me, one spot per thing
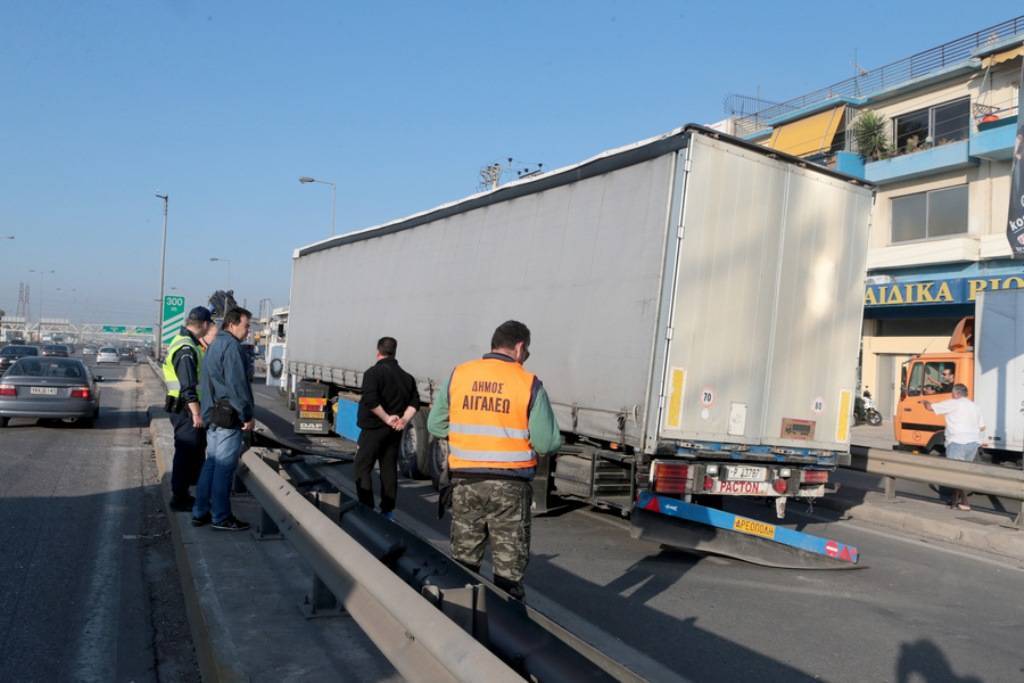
(498, 509)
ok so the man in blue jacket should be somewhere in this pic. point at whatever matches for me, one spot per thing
(227, 408)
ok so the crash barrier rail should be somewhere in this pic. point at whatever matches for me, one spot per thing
(418, 639)
(432, 618)
(940, 471)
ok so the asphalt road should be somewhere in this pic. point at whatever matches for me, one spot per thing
(88, 589)
(916, 612)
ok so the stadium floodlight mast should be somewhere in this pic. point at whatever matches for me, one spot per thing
(305, 180)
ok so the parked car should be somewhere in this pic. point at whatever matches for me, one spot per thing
(49, 388)
(107, 354)
(12, 352)
(55, 351)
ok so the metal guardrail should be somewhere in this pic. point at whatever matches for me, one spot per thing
(420, 641)
(930, 469)
(901, 71)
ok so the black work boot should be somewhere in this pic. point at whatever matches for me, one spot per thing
(513, 588)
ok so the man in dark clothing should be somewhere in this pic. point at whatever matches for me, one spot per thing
(181, 375)
(227, 409)
(389, 401)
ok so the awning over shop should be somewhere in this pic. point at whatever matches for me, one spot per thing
(1004, 56)
(808, 135)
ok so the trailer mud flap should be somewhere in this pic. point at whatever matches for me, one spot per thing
(687, 526)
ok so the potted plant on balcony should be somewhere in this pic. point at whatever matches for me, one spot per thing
(870, 134)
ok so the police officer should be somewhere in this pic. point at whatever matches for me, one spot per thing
(181, 367)
(497, 418)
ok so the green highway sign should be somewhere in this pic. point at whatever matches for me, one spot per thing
(173, 318)
(127, 329)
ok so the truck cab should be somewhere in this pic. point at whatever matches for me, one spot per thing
(930, 377)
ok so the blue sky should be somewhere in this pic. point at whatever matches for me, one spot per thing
(224, 104)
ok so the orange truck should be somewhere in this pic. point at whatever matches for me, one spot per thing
(986, 353)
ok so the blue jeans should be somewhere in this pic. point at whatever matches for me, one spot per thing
(966, 452)
(223, 448)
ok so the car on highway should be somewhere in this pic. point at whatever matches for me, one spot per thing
(55, 351)
(49, 388)
(127, 353)
(12, 352)
(107, 354)
(89, 351)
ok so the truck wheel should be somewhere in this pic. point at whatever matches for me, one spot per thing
(414, 452)
(4, 421)
(572, 476)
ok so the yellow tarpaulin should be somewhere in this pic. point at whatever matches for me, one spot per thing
(1004, 56)
(808, 135)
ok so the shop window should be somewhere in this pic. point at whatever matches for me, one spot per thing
(932, 379)
(924, 215)
(938, 125)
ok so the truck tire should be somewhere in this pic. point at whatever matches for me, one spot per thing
(414, 452)
(572, 476)
(4, 421)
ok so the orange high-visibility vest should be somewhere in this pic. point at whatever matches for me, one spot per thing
(489, 416)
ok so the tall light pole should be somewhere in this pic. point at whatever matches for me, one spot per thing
(214, 259)
(158, 329)
(306, 179)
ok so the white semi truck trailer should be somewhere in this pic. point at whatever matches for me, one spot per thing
(695, 303)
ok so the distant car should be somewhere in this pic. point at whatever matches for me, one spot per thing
(49, 388)
(12, 352)
(107, 354)
(89, 351)
(55, 350)
(127, 353)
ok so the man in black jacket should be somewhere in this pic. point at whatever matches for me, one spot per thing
(389, 401)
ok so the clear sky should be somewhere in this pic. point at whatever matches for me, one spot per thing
(224, 104)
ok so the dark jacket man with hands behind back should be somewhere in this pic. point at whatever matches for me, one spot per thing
(388, 402)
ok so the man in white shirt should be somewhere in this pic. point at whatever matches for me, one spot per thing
(964, 426)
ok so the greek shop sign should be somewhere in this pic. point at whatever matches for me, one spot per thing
(949, 291)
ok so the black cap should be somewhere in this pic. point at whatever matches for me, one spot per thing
(200, 314)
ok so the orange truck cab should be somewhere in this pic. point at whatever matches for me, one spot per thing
(930, 377)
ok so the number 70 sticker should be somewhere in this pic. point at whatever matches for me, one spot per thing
(707, 397)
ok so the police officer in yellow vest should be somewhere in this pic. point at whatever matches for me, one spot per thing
(497, 418)
(181, 367)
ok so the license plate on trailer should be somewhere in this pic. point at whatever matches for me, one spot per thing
(741, 488)
(43, 391)
(745, 473)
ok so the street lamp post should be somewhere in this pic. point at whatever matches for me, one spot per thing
(215, 259)
(158, 329)
(306, 179)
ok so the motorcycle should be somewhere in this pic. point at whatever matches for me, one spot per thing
(864, 410)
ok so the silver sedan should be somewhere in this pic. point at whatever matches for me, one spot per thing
(50, 388)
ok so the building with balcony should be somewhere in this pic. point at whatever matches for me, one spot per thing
(939, 149)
